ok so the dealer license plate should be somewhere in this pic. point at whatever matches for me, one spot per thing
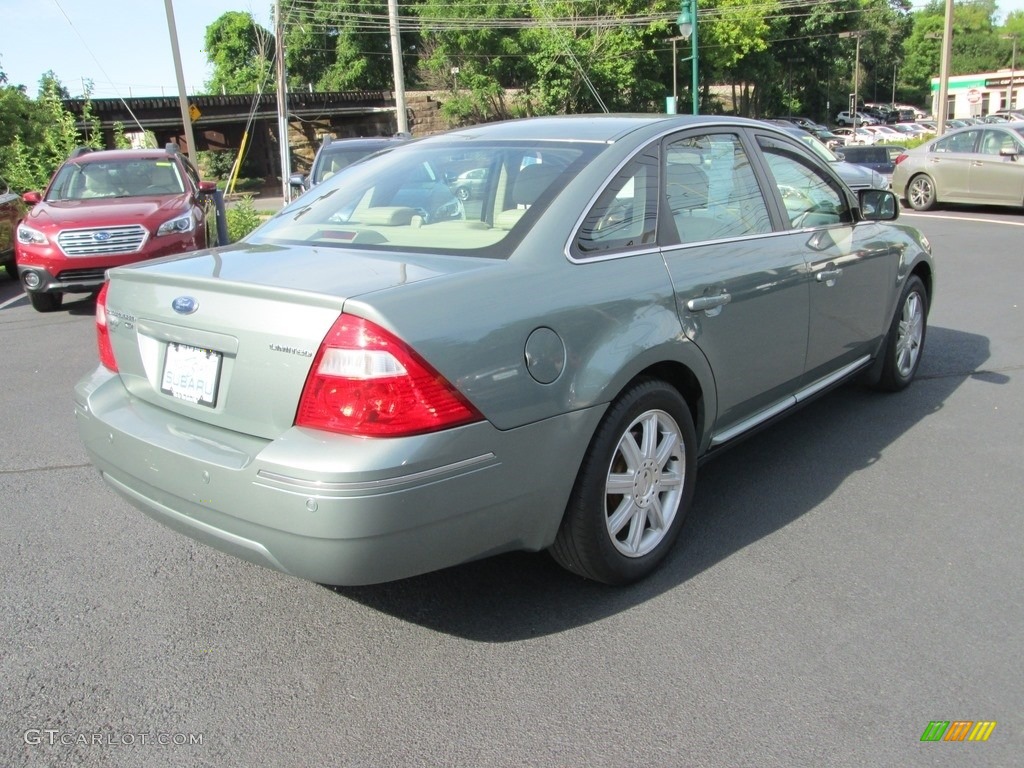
(191, 374)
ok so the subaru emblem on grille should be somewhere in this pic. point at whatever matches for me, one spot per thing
(101, 237)
(184, 305)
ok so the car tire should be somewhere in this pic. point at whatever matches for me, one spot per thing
(905, 340)
(921, 192)
(46, 302)
(11, 267)
(633, 489)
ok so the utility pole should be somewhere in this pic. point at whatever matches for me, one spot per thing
(396, 64)
(186, 118)
(1013, 69)
(282, 104)
(947, 54)
(856, 77)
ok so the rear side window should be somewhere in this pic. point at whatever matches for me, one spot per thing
(625, 215)
(964, 141)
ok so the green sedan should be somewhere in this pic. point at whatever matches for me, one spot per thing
(376, 383)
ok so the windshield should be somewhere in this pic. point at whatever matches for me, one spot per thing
(413, 198)
(135, 177)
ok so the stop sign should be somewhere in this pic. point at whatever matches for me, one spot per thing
(974, 96)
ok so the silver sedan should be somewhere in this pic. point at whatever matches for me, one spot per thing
(365, 390)
(980, 165)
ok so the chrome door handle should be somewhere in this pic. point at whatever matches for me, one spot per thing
(705, 303)
(828, 274)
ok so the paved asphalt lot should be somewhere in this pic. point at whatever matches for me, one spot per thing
(845, 578)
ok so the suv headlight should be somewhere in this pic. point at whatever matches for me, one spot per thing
(29, 236)
(178, 225)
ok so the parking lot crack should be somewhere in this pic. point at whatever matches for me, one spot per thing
(51, 468)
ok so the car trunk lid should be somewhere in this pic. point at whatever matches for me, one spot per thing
(227, 337)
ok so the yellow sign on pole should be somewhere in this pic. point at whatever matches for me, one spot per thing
(193, 112)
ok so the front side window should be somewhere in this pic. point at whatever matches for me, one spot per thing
(995, 141)
(810, 197)
(711, 192)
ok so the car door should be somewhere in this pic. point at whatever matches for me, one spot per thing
(851, 268)
(995, 177)
(949, 164)
(741, 294)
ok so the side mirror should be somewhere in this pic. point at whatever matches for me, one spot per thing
(32, 197)
(207, 187)
(1010, 152)
(878, 205)
(297, 180)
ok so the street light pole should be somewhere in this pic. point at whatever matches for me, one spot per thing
(687, 21)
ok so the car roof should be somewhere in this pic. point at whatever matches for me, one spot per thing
(106, 155)
(362, 141)
(602, 128)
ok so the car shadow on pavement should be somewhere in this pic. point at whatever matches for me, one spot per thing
(750, 491)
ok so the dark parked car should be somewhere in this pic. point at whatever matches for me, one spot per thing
(857, 177)
(336, 154)
(11, 211)
(354, 393)
(874, 157)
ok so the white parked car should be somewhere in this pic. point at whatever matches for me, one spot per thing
(846, 118)
(861, 136)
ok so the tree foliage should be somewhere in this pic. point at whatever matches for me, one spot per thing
(37, 135)
(242, 54)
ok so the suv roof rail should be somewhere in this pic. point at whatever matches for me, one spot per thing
(79, 151)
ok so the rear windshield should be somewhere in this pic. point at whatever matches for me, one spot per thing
(336, 157)
(416, 197)
(135, 177)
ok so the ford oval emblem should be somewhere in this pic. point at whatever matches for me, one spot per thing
(101, 237)
(184, 305)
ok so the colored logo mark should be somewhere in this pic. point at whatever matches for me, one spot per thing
(958, 730)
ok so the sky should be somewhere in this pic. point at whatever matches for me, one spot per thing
(124, 47)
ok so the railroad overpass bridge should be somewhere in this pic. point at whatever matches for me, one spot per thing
(220, 122)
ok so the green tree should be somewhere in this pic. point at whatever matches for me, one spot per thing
(600, 58)
(242, 54)
(977, 45)
(36, 136)
(475, 51)
(341, 46)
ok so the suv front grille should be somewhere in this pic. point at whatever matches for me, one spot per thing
(101, 241)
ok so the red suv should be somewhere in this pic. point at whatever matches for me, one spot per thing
(108, 208)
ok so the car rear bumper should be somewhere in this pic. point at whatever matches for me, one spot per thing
(330, 508)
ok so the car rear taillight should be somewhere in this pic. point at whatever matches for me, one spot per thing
(900, 158)
(365, 381)
(103, 332)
